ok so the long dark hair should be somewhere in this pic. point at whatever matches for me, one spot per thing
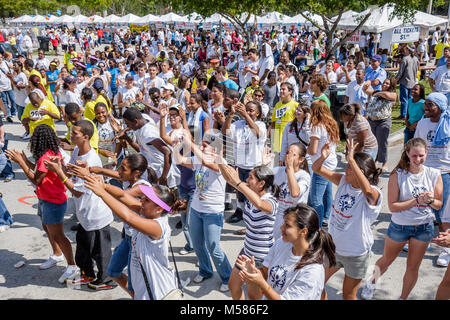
(44, 138)
(366, 163)
(263, 173)
(137, 161)
(320, 241)
(302, 154)
(169, 198)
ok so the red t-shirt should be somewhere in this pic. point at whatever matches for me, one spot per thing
(51, 188)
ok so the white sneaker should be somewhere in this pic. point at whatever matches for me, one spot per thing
(406, 247)
(3, 228)
(185, 252)
(197, 264)
(368, 290)
(224, 288)
(198, 278)
(52, 261)
(443, 259)
(26, 136)
(70, 273)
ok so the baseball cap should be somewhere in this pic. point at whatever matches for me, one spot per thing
(377, 57)
(255, 77)
(98, 84)
(214, 61)
(69, 79)
(129, 76)
(176, 106)
(411, 48)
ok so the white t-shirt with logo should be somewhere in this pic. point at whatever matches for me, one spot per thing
(92, 212)
(304, 284)
(20, 95)
(441, 75)
(410, 186)
(285, 200)
(437, 157)
(128, 94)
(209, 194)
(247, 147)
(154, 256)
(351, 218)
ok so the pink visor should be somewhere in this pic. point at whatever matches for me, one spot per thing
(151, 194)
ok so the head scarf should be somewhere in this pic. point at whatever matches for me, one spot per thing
(442, 135)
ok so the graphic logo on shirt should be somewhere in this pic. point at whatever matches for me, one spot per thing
(201, 181)
(416, 191)
(346, 202)
(277, 276)
(284, 191)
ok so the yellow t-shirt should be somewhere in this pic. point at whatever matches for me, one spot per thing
(32, 111)
(281, 116)
(93, 142)
(439, 48)
(66, 60)
(100, 98)
(89, 112)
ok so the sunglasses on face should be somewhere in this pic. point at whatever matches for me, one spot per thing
(258, 95)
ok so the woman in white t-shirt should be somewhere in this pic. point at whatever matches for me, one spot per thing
(293, 269)
(294, 181)
(149, 262)
(259, 216)
(413, 191)
(183, 94)
(207, 206)
(131, 172)
(248, 136)
(323, 129)
(356, 205)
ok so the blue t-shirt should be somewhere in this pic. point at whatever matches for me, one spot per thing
(187, 178)
(441, 62)
(415, 110)
(379, 74)
(52, 76)
(114, 72)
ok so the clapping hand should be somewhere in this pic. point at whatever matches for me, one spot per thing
(443, 239)
(325, 152)
(230, 175)
(240, 108)
(80, 170)
(248, 271)
(163, 110)
(267, 156)
(53, 164)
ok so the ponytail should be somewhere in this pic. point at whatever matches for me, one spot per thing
(365, 162)
(263, 173)
(320, 241)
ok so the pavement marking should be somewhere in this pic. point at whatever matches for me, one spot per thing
(24, 198)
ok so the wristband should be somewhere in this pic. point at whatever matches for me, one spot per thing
(64, 181)
(238, 184)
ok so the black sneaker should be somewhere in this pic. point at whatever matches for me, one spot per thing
(102, 285)
(236, 217)
(179, 225)
(228, 206)
(9, 119)
(74, 227)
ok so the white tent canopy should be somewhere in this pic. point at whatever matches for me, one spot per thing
(171, 17)
(380, 21)
(273, 18)
(21, 19)
(65, 19)
(302, 20)
(147, 19)
(112, 18)
(129, 18)
(96, 19)
(80, 19)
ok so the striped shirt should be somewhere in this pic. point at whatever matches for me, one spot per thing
(259, 228)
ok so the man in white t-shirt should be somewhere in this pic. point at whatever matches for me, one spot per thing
(148, 142)
(440, 79)
(93, 234)
(435, 40)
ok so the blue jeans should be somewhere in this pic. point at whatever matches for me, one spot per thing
(445, 192)
(409, 134)
(185, 216)
(206, 229)
(405, 94)
(121, 259)
(20, 111)
(5, 217)
(321, 196)
(11, 105)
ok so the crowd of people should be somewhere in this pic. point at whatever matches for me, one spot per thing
(168, 122)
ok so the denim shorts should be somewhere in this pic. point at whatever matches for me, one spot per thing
(121, 259)
(258, 262)
(51, 213)
(399, 233)
(354, 267)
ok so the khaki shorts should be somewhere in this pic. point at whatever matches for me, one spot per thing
(354, 267)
